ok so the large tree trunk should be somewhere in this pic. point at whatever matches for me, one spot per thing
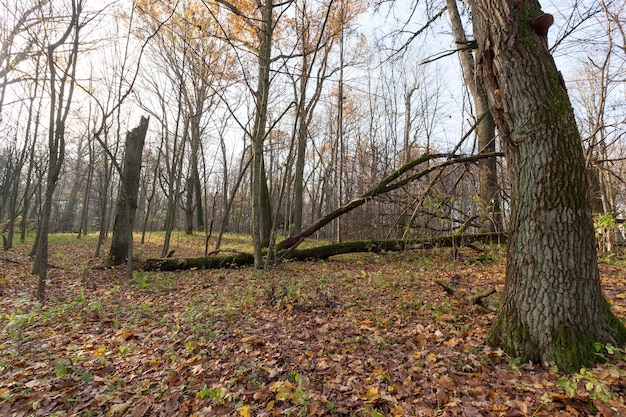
(553, 310)
(129, 189)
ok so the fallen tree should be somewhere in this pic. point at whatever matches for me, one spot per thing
(323, 252)
(287, 249)
(392, 182)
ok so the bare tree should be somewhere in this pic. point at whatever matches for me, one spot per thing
(61, 77)
(122, 240)
(491, 218)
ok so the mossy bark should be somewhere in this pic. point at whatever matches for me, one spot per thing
(553, 310)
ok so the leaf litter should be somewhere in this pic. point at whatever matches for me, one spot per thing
(362, 335)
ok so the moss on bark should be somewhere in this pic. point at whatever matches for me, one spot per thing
(615, 325)
(570, 348)
(570, 351)
(511, 335)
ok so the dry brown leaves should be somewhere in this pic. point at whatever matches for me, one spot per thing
(367, 335)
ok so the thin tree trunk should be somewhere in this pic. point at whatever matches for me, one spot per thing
(83, 227)
(150, 197)
(489, 193)
(339, 151)
(105, 183)
(13, 196)
(27, 186)
(174, 179)
(59, 110)
(261, 214)
(194, 178)
(68, 217)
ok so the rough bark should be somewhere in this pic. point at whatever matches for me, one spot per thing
(129, 189)
(553, 310)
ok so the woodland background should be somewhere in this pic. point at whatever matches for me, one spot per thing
(260, 120)
(355, 91)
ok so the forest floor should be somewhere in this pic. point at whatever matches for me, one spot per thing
(358, 335)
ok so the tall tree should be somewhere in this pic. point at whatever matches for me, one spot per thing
(312, 41)
(60, 104)
(489, 193)
(204, 69)
(254, 24)
(553, 310)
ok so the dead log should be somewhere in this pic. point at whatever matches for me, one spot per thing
(472, 299)
(479, 299)
(321, 252)
(203, 262)
(393, 181)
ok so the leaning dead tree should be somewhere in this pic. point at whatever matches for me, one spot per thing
(287, 249)
(121, 242)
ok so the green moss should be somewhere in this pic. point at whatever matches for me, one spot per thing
(616, 327)
(524, 31)
(509, 334)
(571, 352)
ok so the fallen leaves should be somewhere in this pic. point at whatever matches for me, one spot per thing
(205, 343)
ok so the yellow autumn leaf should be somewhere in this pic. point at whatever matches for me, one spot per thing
(126, 334)
(621, 295)
(283, 395)
(99, 352)
(283, 390)
(397, 411)
(118, 409)
(452, 342)
(379, 371)
(371, 395)
(432, 357)
(244, 411)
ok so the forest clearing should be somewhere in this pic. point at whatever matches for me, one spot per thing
(356, 335)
